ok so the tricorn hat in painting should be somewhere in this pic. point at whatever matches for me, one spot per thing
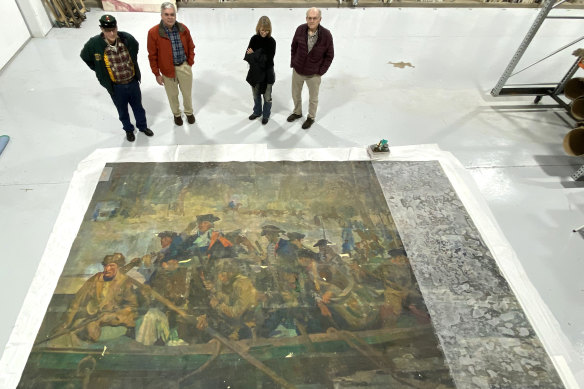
(207, 218)
(271, 229)
(167, 234)
(295, 235)
(321, 242)
(116, 258)
(108, 21)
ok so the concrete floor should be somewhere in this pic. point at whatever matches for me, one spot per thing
(56, 114)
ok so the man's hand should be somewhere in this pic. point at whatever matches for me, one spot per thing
(208, 285)
(159, 80)
(147, 260)
(202, 322)
(326, 297)
(108, 318)
(234, 335)
(146, 289)
(324, 309)
(135, 261)
(249, 51)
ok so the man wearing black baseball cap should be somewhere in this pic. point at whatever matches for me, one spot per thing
(113, 56)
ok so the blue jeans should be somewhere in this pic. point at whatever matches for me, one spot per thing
(257, 101)
(130, 94)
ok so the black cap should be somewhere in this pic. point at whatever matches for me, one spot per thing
(108, 21)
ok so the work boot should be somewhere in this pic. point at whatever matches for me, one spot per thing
(253, 116)
(265, 120)
(191, 119)
(178, 121)
(130, 136)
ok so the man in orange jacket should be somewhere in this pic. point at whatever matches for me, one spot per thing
(171, 53)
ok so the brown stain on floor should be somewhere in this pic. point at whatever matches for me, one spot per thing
(401, 64)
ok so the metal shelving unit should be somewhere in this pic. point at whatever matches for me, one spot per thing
(552, 90)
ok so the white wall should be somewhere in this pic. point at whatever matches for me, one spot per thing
(13, 34)
(35, 16)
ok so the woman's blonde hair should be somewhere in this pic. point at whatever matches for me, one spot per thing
(264, 24)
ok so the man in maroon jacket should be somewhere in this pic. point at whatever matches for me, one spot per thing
(171, 53)
(312, 55)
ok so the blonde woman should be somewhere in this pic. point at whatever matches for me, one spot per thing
(260, 56)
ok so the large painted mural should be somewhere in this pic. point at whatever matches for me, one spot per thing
(132, 5)
(237, 275)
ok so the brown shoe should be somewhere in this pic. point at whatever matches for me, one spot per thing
(178, 121)
(191, 119)
(306, 125)
(293, 117)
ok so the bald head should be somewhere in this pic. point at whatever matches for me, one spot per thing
(314, 9)
(313, 17)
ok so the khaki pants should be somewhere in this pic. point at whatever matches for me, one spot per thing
(183, 80)
(313, 83)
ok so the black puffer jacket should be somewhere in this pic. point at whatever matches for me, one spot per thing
(261, 61)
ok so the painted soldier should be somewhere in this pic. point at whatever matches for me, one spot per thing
(207, 243)
(349, 306)
(326, 253)
(161, 324)
(106, 299)
(289, 251)
(403, 300)
(272, 234)
(170, 243)
(233, 300)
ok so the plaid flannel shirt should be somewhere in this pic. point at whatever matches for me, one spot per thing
(178, 51)
(119, 64)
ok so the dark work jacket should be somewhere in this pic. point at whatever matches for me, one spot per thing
(93, 51)
(320, 57)
(261, 62)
